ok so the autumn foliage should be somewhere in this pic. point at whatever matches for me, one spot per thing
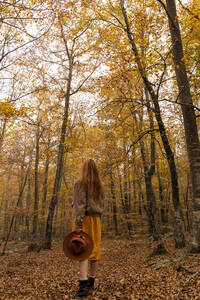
(116, 81)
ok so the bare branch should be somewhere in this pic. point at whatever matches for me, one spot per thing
(189, 11)
(165, 8)
(163, 73)
(83, 82)
(21, 46)
(22, 96)
(149, 131)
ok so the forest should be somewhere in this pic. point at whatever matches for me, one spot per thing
(112, 80)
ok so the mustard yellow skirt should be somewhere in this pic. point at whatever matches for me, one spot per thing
(92, 226)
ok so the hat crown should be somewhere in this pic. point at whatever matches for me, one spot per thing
(77, 245)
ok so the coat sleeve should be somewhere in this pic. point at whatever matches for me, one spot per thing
(79, 205)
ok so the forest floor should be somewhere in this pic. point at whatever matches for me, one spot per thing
(126, 271)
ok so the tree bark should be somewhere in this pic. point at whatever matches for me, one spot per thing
(126, 206)
(60, 157)
(187, 206)
(189, 118)
(36, 195)
(59, 168)
(5, 225)
(163, 207)
(44, 194)
(150, 208)
(2, 133)
(114, 202)
(28, 202)
(28, 197)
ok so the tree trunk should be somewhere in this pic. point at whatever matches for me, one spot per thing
(126, 206)
(5, 225)
(58, 176)
(178, 233)
(28, 202)
(18, 220)
(114, 203)
(129, 190)
(36, 196)
(189, 118)
(2, 133)
(19, 200)
(135, 198)
(163, 208)
(44, 194)
(148, 174)
(59, 165)
(28, 198)
(187, 206)
(140, 196)
(120, 186)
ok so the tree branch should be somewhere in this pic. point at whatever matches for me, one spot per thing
(189, 11)
(165, 8)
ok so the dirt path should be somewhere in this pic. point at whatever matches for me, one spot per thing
(124, 273)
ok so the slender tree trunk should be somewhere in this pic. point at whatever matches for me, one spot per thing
(141, 202)
(5, 225)
(44, 194)
(62, 213)
(59, 165)
(56, 220)
(120, 187)
(121, 193)
(129, 190)
(126, 202)
(58, 177)
(36, 195)
(28, 202)
(178, 233)
(189, 118)
(148, 174)
(2, 133)
(114, 202)
(45, 184)
(13, 217)
(28, 198)
(186, 203)
(150, 208)
(163, 208)
(135, 198)
(18, 220)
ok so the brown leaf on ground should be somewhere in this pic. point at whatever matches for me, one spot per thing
(124, 272)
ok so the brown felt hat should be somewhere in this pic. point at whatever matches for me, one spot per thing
(77, 245)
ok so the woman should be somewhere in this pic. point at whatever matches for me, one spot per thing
(88, 208)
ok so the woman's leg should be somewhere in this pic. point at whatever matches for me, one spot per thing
(83, 282)
(84, 269)
(93, 267)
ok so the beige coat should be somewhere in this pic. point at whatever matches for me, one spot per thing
(84, 205)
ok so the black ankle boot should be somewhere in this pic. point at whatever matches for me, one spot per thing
(91, 283)
(83, 289)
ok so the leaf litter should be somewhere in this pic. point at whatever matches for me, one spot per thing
(125, 271)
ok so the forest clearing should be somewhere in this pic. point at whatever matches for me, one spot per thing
(116, 82)
(126, 271)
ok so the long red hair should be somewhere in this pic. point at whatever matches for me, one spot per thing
(90, 180)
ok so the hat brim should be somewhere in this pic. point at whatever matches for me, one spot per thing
(88, 249)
